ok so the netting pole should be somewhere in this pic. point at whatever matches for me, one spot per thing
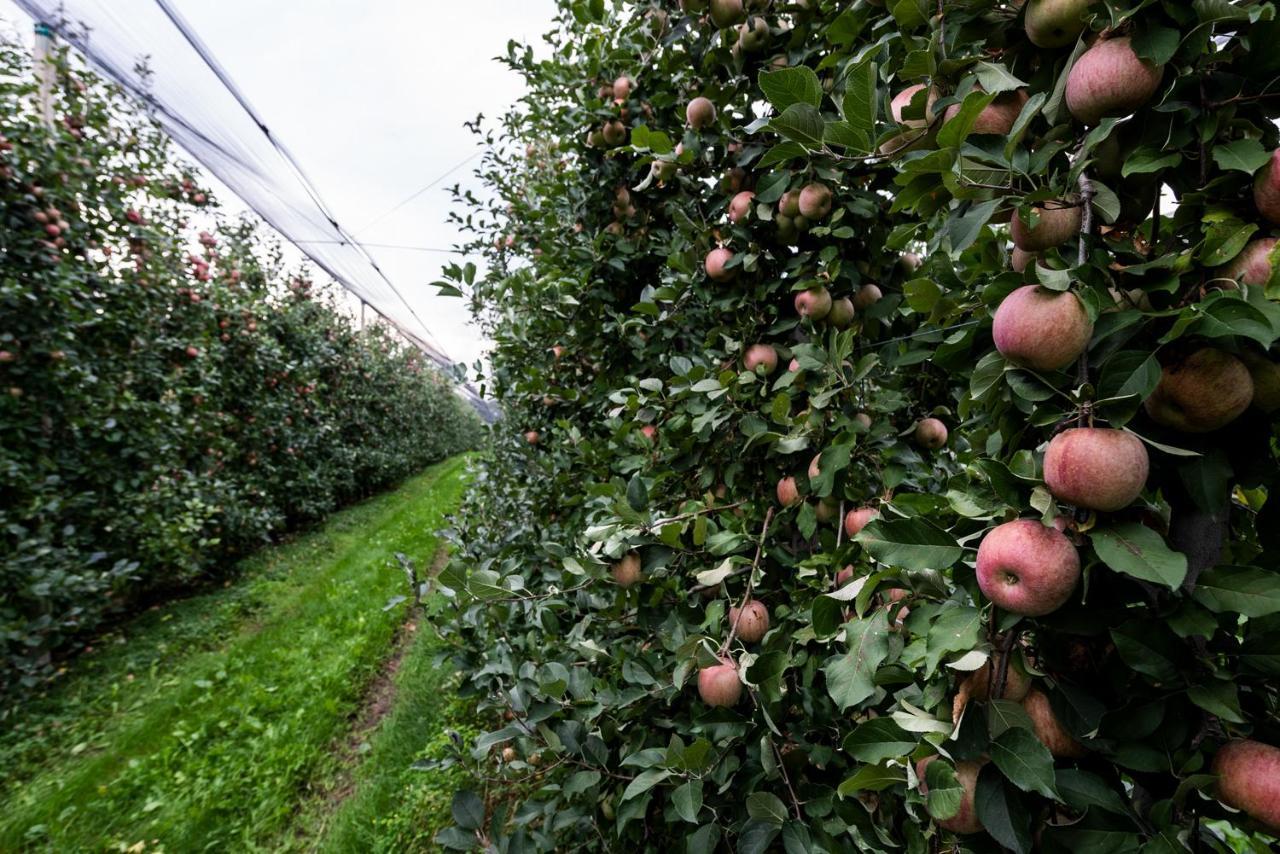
(44, 69)
(362, 305)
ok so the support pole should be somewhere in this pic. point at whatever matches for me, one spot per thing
(44, 68)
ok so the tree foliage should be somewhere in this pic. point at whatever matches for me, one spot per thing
(625, 356)
(170, 394)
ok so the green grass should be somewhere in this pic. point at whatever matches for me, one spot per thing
(217, 723)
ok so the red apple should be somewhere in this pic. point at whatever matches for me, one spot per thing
(532, 437)
(1253, 265)
(650, 432)
(627, 571)
(1249, 779)
(1202, 392)
(867, 296)
(966, 820)
(814, 303)
(841, 314)
(740, 206)
(1056, 223)
(1096, 467)
(700, 113)
(1110, 80)
(760, 355)
(998, 117)
(1027, 568)
(931, 434)
(1041, 329)
(716, 262)
(753, 622)
(856, 519)
(815, 201)
(1049, 729)
(719, 685)
(788, 492)
(1266, 189)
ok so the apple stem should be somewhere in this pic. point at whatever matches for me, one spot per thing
(942, 31)
(746, 597)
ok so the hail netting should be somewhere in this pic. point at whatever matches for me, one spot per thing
(146, 47)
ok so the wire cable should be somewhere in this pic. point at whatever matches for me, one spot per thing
(415, 195)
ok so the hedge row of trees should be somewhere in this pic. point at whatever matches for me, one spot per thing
(171, 395)
(889, 447)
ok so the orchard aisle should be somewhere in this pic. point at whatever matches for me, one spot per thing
(225, 722)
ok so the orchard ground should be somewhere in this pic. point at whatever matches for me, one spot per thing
(281, 711)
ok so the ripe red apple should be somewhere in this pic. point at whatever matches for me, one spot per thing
(841, 314)
(793, 366)
(788, 492)
(815, 201)
(622, 88)
(814, 303)
(931, 433)
(909, 262)
(1055, 23)
(615, 132)
(867, 296)
(915, 130)
(753, 623)
(700, 113)
(1041, 329)
(6, 356)
(1049, 729)
(1110, 80)
(844, 576)
(760, 355)
(856, 519)
(557, 350)
(719, 685)
(1206, 390)
(532, 437)
(864, 419)
(789, 204)
(1249, 779)
(1017, 681)
(1057, 222)
(727, 12)
(815, 466)
(966, 820)
(650, 432)
(1253, 265)
(1027, 568)
(193, 352)
(1096, 467)
(1021, 259)
(627, 572)
(997, 117)
(740, 206)
(717, 265)
(1266, 189)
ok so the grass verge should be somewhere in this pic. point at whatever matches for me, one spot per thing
(203, 726)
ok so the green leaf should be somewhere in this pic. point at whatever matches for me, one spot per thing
(1002, 812)
(637, 493)
(1147, 159)
(645, 781)
(1025, 761)
(877, 740)
(955, 129)
(872, 778)
(1133, 549)
(957, 629)
(851, 677)
(795, 85)
(468, 810)
(802, 124)
(1082, 790)
(756, 837)
(781, 153)
(1156, 44)
(1218, 698)
(1243, 155)
(860, 105)
(1147, 647)
(1243, 590)
(995, 78)
(945, 792)
(914, 543)
(766, 806)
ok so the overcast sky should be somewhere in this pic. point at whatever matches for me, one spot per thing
(370, 98)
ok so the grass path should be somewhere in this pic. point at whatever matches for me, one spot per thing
(219, 723)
